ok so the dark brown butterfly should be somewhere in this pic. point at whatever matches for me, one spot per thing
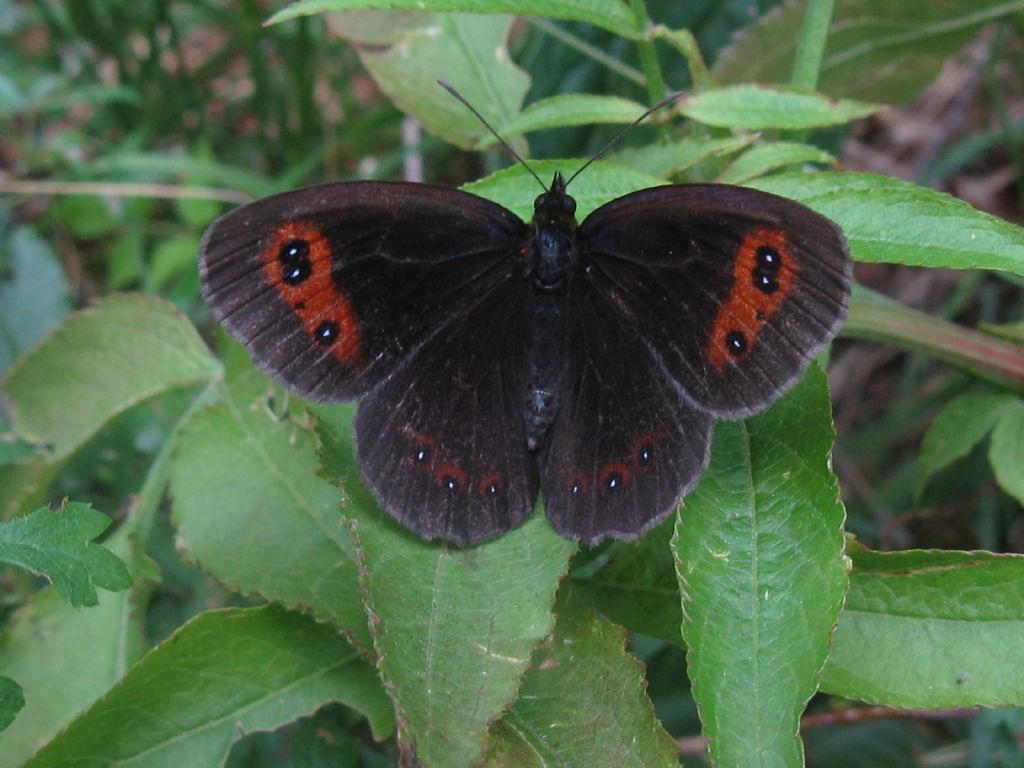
(494, 360)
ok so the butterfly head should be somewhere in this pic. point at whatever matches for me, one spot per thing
(555, 208)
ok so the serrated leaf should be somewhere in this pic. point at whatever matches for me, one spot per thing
(222, 674)
(469, 51)
(245, 480)
(664, 160)
(103, 360)
(33, 293)
(566, 110)
(516, 189)
(454, 629)
(760, 566)
(759, 160)
(888, 220)
(1007, 451)
(12, 701)
(58, 544)
(65, 657)
(929, 629)
(583, 703)
(758, 108)
(875, 49)
(610, 14)
(958, 427)
(637, 587)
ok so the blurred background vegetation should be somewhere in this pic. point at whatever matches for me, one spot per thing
(197, 105)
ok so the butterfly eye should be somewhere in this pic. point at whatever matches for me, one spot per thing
(568, 204)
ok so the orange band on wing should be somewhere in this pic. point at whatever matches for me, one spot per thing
(298, 263)
(763, 275)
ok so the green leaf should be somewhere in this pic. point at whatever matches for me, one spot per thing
(222, 674)
(637, 587)
(763, 158)
(454, 629)
(103, 360)
(757, 108)
(12, 701)
(1007, 451)
(888, 220)
(470, 51)
(59, 545)
(664, 160)
(516, 189)
(65, 658)
(760, 566)
(172, 257)
(583, 702)
(33, 293)
(930, 629)
(245, 481)
(958, 427)
(567, 110)
(876, 49)
(610, 14)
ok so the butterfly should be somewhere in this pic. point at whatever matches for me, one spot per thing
(497, 361)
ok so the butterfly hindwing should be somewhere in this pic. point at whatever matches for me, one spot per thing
(732, 290)
(442, 441)
(331, 287)
(625, 444)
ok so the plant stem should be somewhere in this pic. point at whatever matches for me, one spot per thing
(810, 47)
(656, 88)
(878, 318)
(630, 73)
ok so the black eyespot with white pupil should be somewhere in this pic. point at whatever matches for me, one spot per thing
(296, 266)
(736, 342)
(766, 273)
(327, 333)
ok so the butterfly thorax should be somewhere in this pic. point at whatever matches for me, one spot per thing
(552, 250)
(551, 261)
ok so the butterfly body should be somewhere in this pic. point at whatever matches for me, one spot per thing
(496, 361)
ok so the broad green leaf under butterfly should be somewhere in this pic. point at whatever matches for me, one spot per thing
(245, 480)
(930, 629)
(470, 51)
(103, 360)
(756, 108)
(613, 15)
(583, 702)
(888, 220)
(223, 674)
(454, 629)
(59, 544)
(759, 557)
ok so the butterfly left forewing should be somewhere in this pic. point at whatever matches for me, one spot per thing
(331, 287)
(732, 290)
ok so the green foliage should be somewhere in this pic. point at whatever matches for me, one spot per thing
(59, 544)
(290, 622)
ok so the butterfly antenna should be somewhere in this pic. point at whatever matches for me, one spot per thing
(490, 128)
(667, 100)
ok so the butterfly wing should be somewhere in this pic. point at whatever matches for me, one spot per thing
(331, 288)
(732, 291)
(442, 442)
(625, 444)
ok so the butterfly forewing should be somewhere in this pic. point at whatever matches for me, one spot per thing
(332, 288)
(625, 444)
(732, 290)
(442, 441)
